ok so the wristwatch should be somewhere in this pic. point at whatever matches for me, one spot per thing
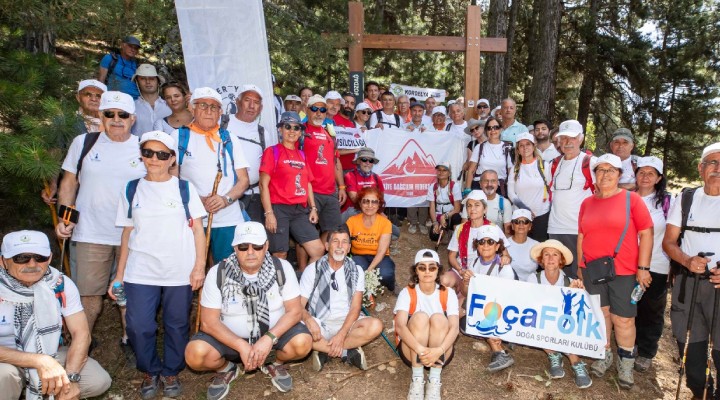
(641, 268)
(229, 199)
(272, 337)
(74, 377)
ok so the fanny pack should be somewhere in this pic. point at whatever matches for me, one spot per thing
(602, 270)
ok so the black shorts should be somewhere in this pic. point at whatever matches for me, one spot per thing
(291, 220)
(409, 364)
(328, 211)
(615, 294)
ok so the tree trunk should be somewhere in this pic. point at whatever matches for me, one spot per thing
(493, 77)
(541, 96)
(662, 68)
(514, 9)
(40, 42)
(587, 88)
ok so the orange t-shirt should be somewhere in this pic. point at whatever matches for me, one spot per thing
(365, 241)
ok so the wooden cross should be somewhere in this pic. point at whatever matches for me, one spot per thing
(472, 44)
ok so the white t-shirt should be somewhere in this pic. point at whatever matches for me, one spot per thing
(522, 263)
(492, 159)
(532, 278)
(200, 168)
(529, 189)
(506, 272)
(429, 304)
(549, 154)
(427, 120)
(339, 306)
(388, 120)
(443, 196)
(704, 212)
(146, 115)
(162, 245)
(236, 317)
(494, 214)
(459, 131)
(253, 152)
(567, 196)
(472, 253)
(628, 174)
(7, 312)
(660, 262)
(106, 170)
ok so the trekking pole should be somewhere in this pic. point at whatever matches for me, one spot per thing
(63, 256)
(710, 341)
(394, 349)
(61, 243)
(207, 242)
(689, 327)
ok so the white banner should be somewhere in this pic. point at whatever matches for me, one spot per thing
(349, 138)
(408, 159)
(544, 316)
(225, 46)
(417, 92)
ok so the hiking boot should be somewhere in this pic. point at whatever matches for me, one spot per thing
(433, 389)
(423, 230)
(128, 352)
(428, 223)
(220, 384)
(417, 389)
(625, 372)
(356, 357)
(149, 386)
(279, 375)
(319, 359)
(600, 367)
(412, 229)
(642, 364)
(500, 361)
(556, 365)
(171, 386)
(582, 379)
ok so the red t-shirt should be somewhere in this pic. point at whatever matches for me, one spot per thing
(356, 182)
(289, 175)
(346, 160)
(319, 147)
(601, 221)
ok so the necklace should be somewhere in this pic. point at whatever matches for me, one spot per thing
(572, 173)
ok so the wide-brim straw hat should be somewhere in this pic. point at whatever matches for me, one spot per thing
(553, 244)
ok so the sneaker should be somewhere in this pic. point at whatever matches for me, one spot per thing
(500, 361)
(642, 364)
(171, 386)
(432, 390)
(424, 229)
(600, 367)
(582, 379)
(417, 389)
(356, 357)
(625, 372)
(128, 352)
(149, 386)
(319, 359)
(394, 247)
(220, 385)
(279, 375)
(428, 223)
(412, 229)
(556, 365)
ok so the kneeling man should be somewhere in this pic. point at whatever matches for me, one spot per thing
(331, 291)
(250, 306)
(34, 299)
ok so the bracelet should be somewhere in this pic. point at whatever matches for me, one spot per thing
(313, 208)
(644, 268)
(268, 212)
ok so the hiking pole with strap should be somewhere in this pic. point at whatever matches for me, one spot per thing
(691, 315)
(61, 243)
(710, 341)
(63, 256)
(207, 241)
(384, 336)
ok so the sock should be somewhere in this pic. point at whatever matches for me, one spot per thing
(227, 367)
(344, 354)
(624, 352)
(418, 372)
(277, 363)
(435, 374)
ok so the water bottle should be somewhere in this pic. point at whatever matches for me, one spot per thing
(637, 294)
(119, 291)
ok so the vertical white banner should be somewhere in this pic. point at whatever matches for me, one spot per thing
(225, 46)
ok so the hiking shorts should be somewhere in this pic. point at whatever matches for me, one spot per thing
(615, 294)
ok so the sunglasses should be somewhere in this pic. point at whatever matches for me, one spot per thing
(112, 114)
(423, 268)
(521, 222)
(205, 106)
(25, 258)
(333, 282)
(366, 159)
(161, 155)
(493, 128)
(482, 242)
(246, 247)
(475, 128)
(371, 201)
(366, 112)
(483, 106)
(292, 127)
(316, 109)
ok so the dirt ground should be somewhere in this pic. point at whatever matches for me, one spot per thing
(387, 378)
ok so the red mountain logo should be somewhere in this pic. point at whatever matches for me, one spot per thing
(410, 173)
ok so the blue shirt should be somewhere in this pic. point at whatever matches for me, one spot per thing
(511, 133)
(122, 73)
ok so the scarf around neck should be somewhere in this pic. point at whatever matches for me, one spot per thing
(211, 134)
(463, 238)
(318, 304)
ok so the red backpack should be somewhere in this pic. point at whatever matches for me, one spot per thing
(413, 304)
(450, 192)
(585, 171)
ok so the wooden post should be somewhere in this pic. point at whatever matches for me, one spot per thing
(355, 50)
(472, 59)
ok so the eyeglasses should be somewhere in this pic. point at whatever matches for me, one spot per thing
(370, 201)
(246, 246)
(366, 159)
(161, 155)
(423, 268)
(712, 164)
(603, 171)
(333, 282)
(292, 127)
(493, 128)
(316, 109)
(482, 242)
(25, 258)
(521, 222)
(205, 106)
(366, 112)
(112, 114)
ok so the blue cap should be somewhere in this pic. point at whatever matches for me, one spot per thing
(132, 40)
(290, 117)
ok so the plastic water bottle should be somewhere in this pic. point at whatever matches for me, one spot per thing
(637, 294)
(119, 291)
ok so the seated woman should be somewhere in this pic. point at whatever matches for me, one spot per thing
(553, 256)
(489, 246)
(426, 324)
(523, 264)
(370, 233)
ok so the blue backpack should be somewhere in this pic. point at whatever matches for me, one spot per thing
(184, 138)
(131, 188)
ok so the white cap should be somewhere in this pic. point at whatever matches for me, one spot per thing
(91, 82)
(524, 136)
(530, 127)
(316, 98)
(205, 93)
(250, 88)
(484, 101)
(292, 97)
(475, 195)
(250, 232)
(651, 161)
(451, 102)
(439, 109)
(570, 128)
(445, 164)
(32, 242)
(149, 71)
(433, 257)
(158, 136)
(713, 148)
(494, 111)
(522, 212)
(607, 158)
(334, 95)
(362, 106)
(488, 231)
(117, 100)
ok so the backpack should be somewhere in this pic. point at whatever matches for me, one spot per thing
(436, 191)
(279, 274)
(507, 150)
(378, 114)
(184, 186)
(541, 168)
(225, 119)
(276, 154)
(88, 143)
(412, 291)
(184, 138)
(566, 279)
(113, 63)
(585, 171)
(666, 204)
